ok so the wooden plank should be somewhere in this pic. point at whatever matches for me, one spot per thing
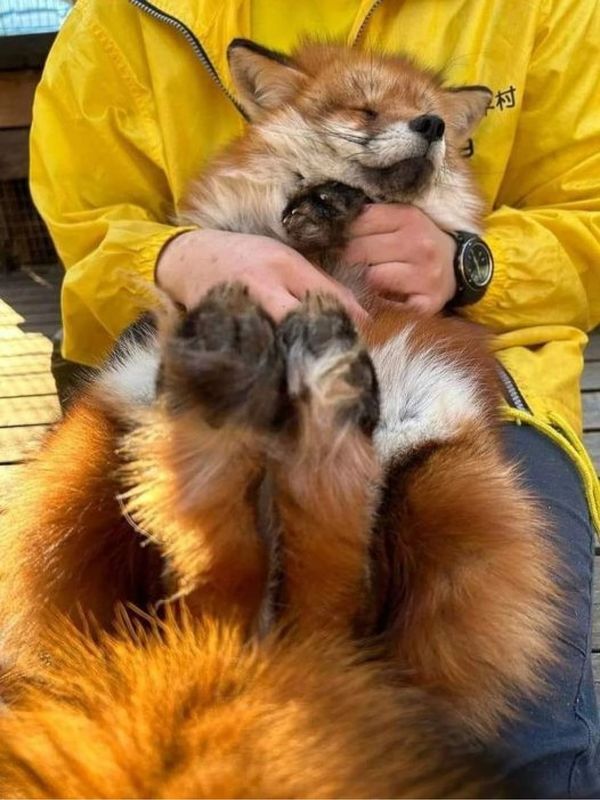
(30, 292)
(40, 317)
(9, 480)
(592, 443)
(8, 316)
(596, 670)
(591, 410)
(19, 443)
(596, 607)
(590, 380)
(596, 626)
(9, 474)
(27, 385)
(17, 88)
(10, 333)
(43, 275)
(25, 50)
(17, 411)
(50, 330)
(592, 351)
(38, 364)
(24, 344)
(14, 154)
(41, 303)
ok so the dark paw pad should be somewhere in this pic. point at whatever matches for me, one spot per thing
(318, 218)
(319, 324)
(224, 358)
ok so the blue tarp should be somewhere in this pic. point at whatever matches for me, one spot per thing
(31, 16)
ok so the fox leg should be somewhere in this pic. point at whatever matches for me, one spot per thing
(195, 460)
(326, 474)
(470, 612)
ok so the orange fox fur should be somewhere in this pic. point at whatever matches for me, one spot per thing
(330, 604)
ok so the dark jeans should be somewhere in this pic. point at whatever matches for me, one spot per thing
(554, 749)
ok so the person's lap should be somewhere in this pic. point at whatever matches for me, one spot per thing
(553, 749)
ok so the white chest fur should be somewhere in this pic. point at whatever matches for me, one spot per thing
(425, 395)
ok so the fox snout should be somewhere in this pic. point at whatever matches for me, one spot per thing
(430, 126)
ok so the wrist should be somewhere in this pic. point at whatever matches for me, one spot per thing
(450, 284)
(172, 265)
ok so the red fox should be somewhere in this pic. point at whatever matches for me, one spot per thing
(342, 589)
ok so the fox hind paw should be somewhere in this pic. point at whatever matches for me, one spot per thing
(224, 357)
(329, 373)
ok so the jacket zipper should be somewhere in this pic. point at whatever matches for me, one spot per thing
(514, 396)
(192, 40)
(365, 22)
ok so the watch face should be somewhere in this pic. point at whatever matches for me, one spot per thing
(477, 263)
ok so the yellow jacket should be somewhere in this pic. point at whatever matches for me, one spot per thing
(136, 96)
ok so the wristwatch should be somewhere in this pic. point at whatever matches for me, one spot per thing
(473, 268)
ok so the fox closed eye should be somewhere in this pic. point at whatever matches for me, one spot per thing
(369, 113)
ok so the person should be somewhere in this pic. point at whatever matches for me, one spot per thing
(136, 97)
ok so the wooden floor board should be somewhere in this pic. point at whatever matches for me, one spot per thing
(17, 343)
(591, 410)
(596, 607)
(28, 385)
(592, 443)
(39, 410)
(592, 352)
(590, 380)
(19, 442)
(29, 316)
(38, 364)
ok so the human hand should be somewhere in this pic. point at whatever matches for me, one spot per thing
(277, 276)
(410, 259)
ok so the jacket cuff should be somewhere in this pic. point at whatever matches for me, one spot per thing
(149, 253)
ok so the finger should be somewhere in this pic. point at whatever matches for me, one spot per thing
(385, 218)
(315, 280)
(420, 304)
(278, 304)
(378, 248)
(395, 278)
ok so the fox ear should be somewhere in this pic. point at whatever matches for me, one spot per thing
(264, 79)
(469, 105)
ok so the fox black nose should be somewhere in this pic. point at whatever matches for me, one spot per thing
(429, 126)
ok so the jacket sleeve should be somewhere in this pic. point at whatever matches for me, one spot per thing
(545, 229)
(98, 180)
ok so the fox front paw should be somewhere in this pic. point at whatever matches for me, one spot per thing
(224, 359)
(318, 218)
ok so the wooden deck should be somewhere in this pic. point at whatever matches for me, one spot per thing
(29, 318)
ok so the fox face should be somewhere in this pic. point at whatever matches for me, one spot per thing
(388, 125)
(377, 123)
